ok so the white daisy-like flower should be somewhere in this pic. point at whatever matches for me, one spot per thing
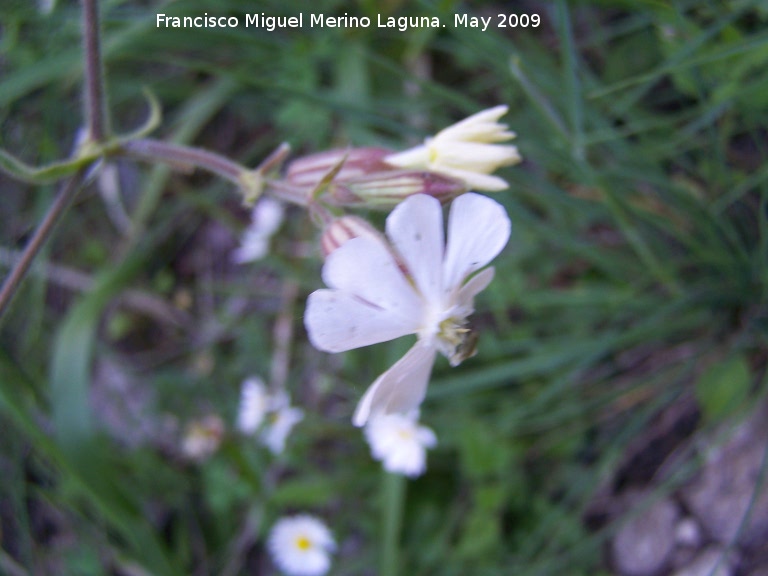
(301, 546)
(418, 285)
(266, 218)
(279, 423)
(400, 443)
(254, 404)
(270, 413)
(468, 150)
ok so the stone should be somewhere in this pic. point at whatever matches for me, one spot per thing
(704, 565)
(721, 493)
(688, 532)
(644, 544)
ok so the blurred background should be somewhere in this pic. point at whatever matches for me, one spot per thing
(613, 421)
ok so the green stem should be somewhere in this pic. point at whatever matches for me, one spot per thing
(393, 502)
(43, 232)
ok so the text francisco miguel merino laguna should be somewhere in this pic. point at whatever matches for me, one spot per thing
(270, 23)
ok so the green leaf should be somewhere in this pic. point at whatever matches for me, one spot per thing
(72, 355)
(724, 387)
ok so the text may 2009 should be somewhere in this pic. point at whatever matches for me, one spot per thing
(402, 23)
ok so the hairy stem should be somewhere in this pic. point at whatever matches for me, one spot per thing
(184, 158)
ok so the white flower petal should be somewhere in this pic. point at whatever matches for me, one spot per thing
(280, 426)
(415, 228)
(268, 215)
(365, 268)
(426, 437)
(254, 247)
(417, 157)
(475, 180)
(254, 404)
(473, 287)
(484, 158)
(399, 389)
(399, 442)
(485, 117)
(266, 218)
(337, 321)
(478, 229)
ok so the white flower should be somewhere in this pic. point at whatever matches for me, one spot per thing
(279, 423)
(266, 218)
(400, 443)
(270, 411)
(420, 285)
(301, 546)
(254, 404)
(468, 150)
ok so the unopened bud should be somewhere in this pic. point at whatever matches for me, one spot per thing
(345, 228)
(385, 189)
(355, 162)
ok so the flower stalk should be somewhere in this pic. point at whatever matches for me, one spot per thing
(95, 93)
(63, 200)
(393, 502)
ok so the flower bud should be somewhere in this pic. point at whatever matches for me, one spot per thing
(346, 228)
(355, 162)
(386, 189)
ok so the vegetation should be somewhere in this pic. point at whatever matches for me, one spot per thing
(635, 282)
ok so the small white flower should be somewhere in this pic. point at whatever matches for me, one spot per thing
(468, 150)
(301, 546)
(254, 404)
(266, 218)
(418, 285)
(400, 443)
(269, 411)
(279, 423)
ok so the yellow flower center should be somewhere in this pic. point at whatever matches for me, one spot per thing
(303, 543)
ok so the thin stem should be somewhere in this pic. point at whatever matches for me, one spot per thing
(283, 335)
(52, 217)
(72, 279)
(538, 99)
(95, 105)
(288, 192)
(9, 565)
(275, 159)
(185, 158)
(571, 81)
(392, 515)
